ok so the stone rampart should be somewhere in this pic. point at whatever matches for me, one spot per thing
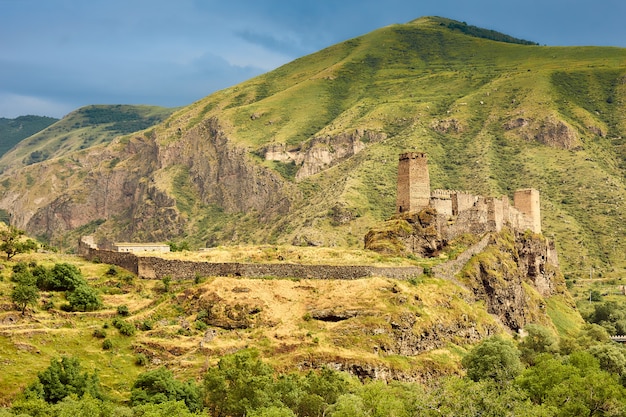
(157, 268)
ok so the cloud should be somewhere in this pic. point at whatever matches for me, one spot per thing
(14, 105)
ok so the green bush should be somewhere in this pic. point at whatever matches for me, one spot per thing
(99, 333)
(494, 358)
(125, 328)
(84, 298)
(159, 386)
(107, 344)
(62, 378)
(141, 360)
(123, 310)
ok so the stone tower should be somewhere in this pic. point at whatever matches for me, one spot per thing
(413, 182)
(527, 202)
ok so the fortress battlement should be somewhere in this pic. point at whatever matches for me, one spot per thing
(472, 213)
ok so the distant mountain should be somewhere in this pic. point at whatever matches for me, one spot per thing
(307, 153)
(83, 128)
(12, 131)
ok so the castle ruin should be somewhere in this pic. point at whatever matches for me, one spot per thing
(461, 212)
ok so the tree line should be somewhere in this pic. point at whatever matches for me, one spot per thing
(538, 375)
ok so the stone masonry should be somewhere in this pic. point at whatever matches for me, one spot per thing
(461, 212)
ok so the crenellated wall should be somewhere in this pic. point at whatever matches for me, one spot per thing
(461, 211)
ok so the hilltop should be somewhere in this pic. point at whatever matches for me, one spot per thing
(307, 154)
(85, 127)
(12, 131)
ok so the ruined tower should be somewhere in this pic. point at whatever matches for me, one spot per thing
(413, 182)
(527, 202)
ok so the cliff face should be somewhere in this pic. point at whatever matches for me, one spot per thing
(514, 275)
(128, 183)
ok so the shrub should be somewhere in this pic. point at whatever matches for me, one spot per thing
(123, 310)
(62, 277)
(141, 360)
(146, 325)
(125, 328)
(84, 298)
(200, 325)
(494, 358)
(62, 378)
(159, 386)
(99, 333)
(107, 344)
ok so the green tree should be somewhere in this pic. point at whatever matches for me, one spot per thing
(164, 409)
(494, 358)
(574, 385)
(12, 242)
(159, 386)
(23, 295)
(538, 339)
(272, 411)
(239, 383)
(84, 298)
(65, 277)
(65, 377)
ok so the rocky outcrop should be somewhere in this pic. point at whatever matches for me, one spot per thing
(513, 275)
(409, 233)
(550, 131)
(321, 152)
(128, 183)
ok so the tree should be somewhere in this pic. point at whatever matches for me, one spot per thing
(84, 298)
(65, 377)
(494, 358)
(574, 385)
(23, 295)
(65, 277)
(12, 242)
(159, 386)
(538, 339)
(240, 383)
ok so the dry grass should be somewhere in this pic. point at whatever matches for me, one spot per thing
(289, 254)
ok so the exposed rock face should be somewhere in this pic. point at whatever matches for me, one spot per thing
(557, 134)
(550, 131)
(321, 152)
(123, 182)
(513, 275)
(448, 126)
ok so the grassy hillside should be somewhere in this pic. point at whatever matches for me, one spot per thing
(492, 116)
(83, 128)
(404, 329)
(12, 131)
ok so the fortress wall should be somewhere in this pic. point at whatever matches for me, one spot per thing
(474, 220)
(495, 213)
(526, 201)
(158, 268)
(442, 204)
(462, 202)
(124, 260)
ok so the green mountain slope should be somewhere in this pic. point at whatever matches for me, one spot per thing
(12, 131)
(307, 154)
(85, 127)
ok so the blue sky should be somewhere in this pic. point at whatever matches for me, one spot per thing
(58, 55)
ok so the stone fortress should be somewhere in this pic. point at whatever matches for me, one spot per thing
(460, 212)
